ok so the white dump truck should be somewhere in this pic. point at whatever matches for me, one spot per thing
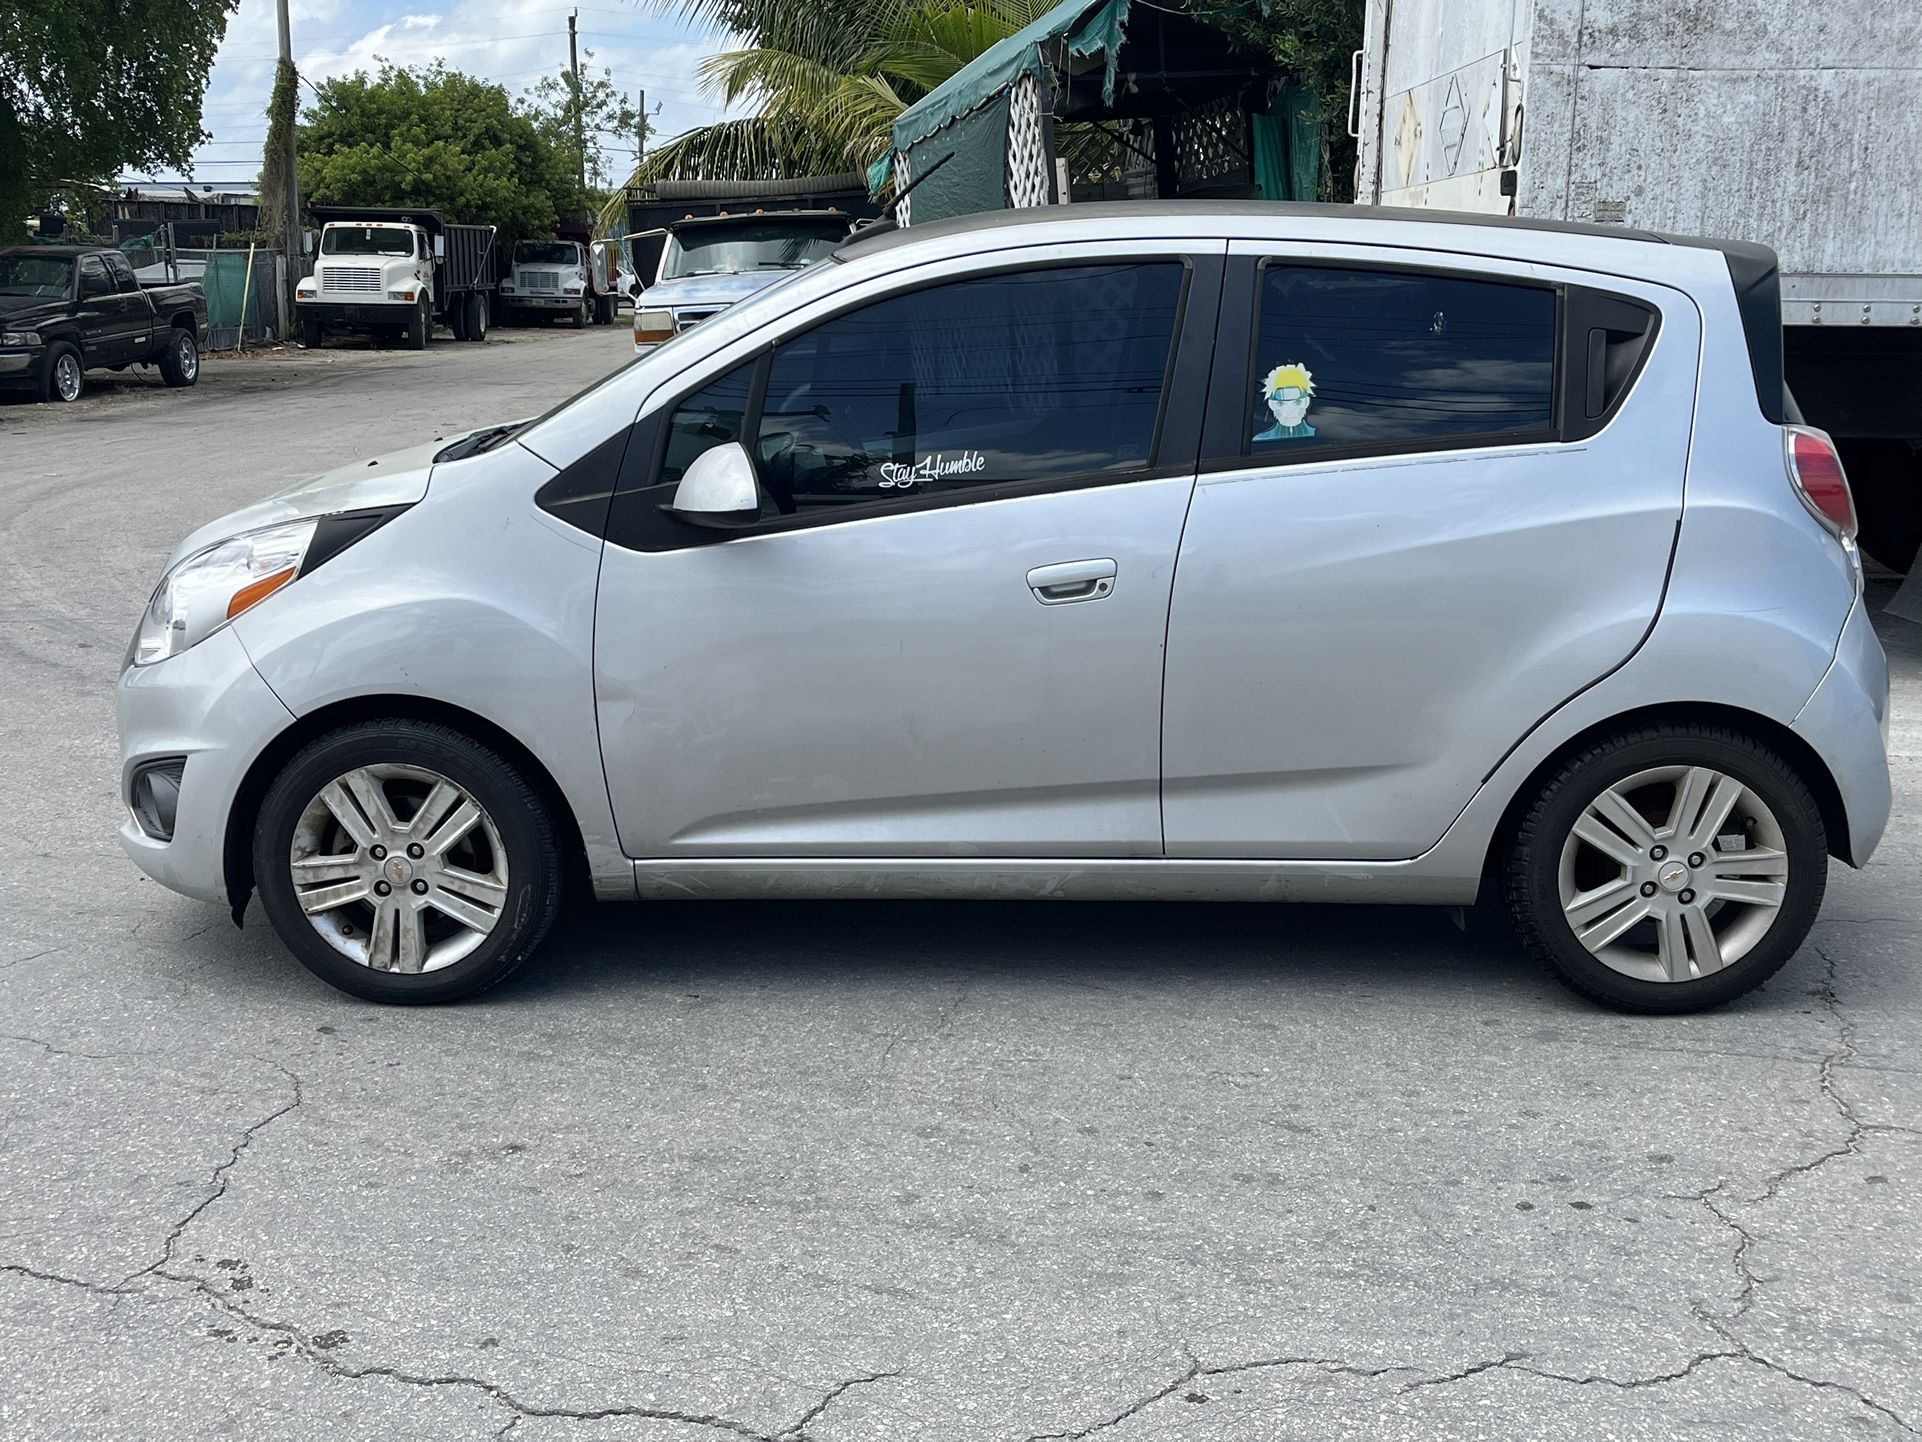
(396, 272)
(1771, 122)
(560, 277)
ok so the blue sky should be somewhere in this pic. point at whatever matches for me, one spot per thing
(514, 42)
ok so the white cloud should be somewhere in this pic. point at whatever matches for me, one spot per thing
(513, 42)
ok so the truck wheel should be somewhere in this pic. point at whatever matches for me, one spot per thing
(64, 378)
(419, 326)
(310, 331)
(578, 316)
(180, 361)
(477, 316)
(457, 317)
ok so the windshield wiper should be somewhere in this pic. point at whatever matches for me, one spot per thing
(477, 444)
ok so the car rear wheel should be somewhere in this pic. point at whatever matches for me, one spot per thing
(402, 861)
(1669, 868)
(180, 361)
(65, 377)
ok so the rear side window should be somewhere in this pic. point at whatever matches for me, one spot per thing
(121, 272)
(1351, 357)
(1021, 376)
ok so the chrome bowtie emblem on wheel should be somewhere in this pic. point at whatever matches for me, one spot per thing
(1673, 876)
(398, 871)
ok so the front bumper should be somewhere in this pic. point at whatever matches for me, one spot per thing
(357, 312)
(211, 706)
(543, 302)
(22, 367)
(1847, 722)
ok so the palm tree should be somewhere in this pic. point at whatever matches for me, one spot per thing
(829, 78)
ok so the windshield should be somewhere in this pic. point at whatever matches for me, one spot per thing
(366, 240)
(762, 245)
(546, 252)
(45, 275)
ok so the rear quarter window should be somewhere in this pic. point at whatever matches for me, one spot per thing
(1353, 357)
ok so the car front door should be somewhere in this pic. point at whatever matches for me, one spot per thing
(135, 311)
(100, 315)
(944, 637)
(1438, 498)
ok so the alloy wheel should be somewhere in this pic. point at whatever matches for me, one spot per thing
(1673, 873)
(66, 377)
(398, 868)
(188, 356)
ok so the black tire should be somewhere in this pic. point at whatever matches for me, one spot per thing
(55, 377)
(310, 332)
(526, 829)
(457, 318)
(180, 361)
(419, 326)
(1532, 870)
(477, 317)
(577, 317)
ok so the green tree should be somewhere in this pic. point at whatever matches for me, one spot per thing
(589, 118)
(283, 106)
(436, 138)
(89, 88)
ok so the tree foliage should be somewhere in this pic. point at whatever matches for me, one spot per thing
(440, 139)
(89, 88)
(282, 106)
(589, 119)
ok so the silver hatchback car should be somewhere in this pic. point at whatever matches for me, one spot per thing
(1183, 551)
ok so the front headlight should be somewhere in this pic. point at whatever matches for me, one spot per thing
(19, 338)
(211, 587)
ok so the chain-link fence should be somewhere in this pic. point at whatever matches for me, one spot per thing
(246, 287)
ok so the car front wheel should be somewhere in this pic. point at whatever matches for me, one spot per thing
(404, 862)
(65, 377)
(1669, 868)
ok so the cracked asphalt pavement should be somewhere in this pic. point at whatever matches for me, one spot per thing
(868, 1172)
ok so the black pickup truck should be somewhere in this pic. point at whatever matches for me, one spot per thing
(66, 309)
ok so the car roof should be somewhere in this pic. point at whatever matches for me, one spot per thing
(65, 252)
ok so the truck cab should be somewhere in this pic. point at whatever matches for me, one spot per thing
(549, 278)
(397, 273)
(708, 262)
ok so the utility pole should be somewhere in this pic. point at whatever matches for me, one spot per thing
(289, 178)
(574, 66)
(640, 141)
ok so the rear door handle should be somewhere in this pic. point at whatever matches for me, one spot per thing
(1067, 581)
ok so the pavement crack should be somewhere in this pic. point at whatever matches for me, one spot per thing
(1507, 1359)
(797, 1430)
(1194, 1371)
(222, 1175)
(102, 1289)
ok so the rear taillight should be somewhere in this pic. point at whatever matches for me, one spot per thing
(1816, 471)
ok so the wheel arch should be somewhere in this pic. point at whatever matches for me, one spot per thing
(1806, 760)
(184, 320)
(237, 849)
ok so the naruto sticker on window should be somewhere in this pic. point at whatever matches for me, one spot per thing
(1289, 390)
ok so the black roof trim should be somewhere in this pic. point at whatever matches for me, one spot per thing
(1755, 272)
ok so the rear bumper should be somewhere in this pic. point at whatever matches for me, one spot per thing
(1847, 722)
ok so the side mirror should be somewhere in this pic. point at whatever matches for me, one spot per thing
(440, 247)
(306, 242)
(718, 490)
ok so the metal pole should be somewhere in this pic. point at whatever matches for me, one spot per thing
(574, 67)
(640, 143)
(246, 290)
(289, 183)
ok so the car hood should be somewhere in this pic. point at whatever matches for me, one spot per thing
(709, 289)
(26, 309)
(396, 479)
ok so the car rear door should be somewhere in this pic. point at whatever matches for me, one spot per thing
(1439, 496)
(135, 311)
(945, 637)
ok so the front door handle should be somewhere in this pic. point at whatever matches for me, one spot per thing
(1067, 581)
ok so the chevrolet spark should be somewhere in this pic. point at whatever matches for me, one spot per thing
(1194, 550)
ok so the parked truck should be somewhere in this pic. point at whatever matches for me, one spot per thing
(564, 276)
(695, 247)
(397, 272)
(1752, 122)
(67, 309)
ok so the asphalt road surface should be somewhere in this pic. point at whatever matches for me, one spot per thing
(870, 1172)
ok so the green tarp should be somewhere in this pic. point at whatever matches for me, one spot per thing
(1090, 27)
(975, 177)
(1288, 147)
